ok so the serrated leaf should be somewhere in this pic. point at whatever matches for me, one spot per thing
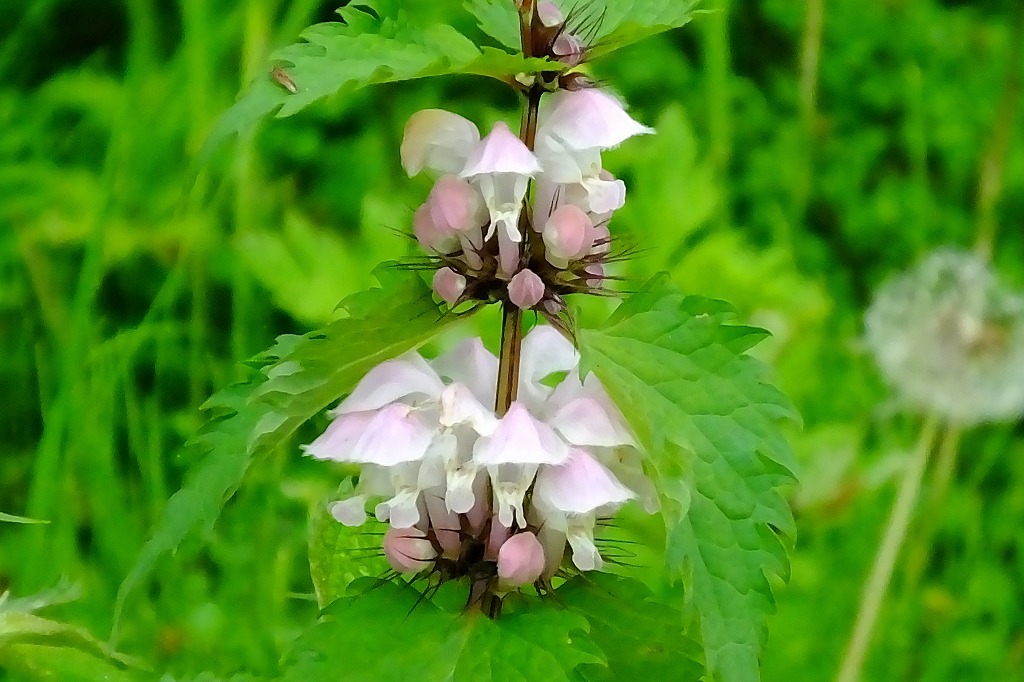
(498, 19)
(379, 42)
(709, 424)
(388, 633)
(338, 554)
(642, 638)
(11, 518)
(293, 381)
(620, 23)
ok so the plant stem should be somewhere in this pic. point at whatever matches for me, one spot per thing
(512, 316)
(993, 165)
(885, 559)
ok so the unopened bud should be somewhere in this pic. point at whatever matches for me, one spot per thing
(449, 285)
(602, 240)
(520, 560)
(550, 14)
(526, 289)
(455, 206)
(568, 49)
(568, 233)
(596, 275)
(430, 236)
(408, 550)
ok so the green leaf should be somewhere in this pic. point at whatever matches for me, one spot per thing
(498, 19)
(43, 649)
(710, 426)
(623, 22)
(388, 633)
(397, 44)
(339, 555)
(293, 381)
(11, 518)
(642, 638)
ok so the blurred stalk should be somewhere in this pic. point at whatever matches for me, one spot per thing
(993, 165)
(255, 39)
(718, 96)
(810, 65)
(888, 551)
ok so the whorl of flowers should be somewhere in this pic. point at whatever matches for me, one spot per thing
(502, 480)
(950, 338)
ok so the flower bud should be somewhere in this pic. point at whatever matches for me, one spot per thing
(596, 272)
(449, 285)
(431, 237)
(568, 233)
(408, 550)
(568, 49)
(455, 206)
(549, 14)
(520, 560)
(526, 289)
(602, 240)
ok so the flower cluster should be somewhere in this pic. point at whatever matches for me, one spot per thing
(950, 338)
(489, 242)
(466, 492)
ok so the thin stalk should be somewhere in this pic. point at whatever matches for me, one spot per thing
(512, 316)
(885, 559)
(993, 165)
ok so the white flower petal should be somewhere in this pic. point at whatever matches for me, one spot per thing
(584, 552)
(472, 365)
(580, 485)
(460, 406)
(588, 119)
(350, 512)
(584, 414)
(339, 440)
(545, 352)
(509, 483)
(520, 439)
(439, 140)
(501, 152)
(395, 435)
(390, 381)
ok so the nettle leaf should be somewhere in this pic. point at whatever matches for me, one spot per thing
(710, 426)
(377, 41)
(40, 648)
(338, 555)
(642, 638)
(290, 383)
(623, 22)
(498, 19)
(389, 633)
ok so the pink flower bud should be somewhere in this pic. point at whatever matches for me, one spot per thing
(449, 285)
(568, 233)
(568, 49)
(430, 236)
(549, 13)
(520, 560)
(455, 206)
(602, 240)
(408, 550)
(596, 272)
(526, 289)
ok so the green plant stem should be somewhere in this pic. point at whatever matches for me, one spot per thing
(885, 560)
(993, 164)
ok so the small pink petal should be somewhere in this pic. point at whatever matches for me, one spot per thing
(449, 285)
(395, 435)
(408, 550)
(472, 365)
(390, 381)
(568, 233)
(521, 560)
(549, 13)
(432, 237)
(526, 289)
(455, 205)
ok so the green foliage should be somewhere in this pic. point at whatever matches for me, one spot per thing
(624, 22)
(642, 638)
(397, 44)
(709, 426)
(389, 633)
(43, 649)
(499, 20)
(339, 555)
(292, 382)
(11, 518)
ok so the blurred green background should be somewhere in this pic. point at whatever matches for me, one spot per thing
(806, 151)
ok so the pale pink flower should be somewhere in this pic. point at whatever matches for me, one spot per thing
(525, 289)
(520, 560)
(438, 140)
(449, 285)
(408, 550)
